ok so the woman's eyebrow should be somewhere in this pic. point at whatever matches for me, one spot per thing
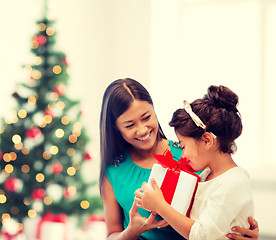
(128, 121)
(141, 116)
(145, 114)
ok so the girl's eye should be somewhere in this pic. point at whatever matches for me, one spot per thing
(181, 146)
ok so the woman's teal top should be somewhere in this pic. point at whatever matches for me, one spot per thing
(128, 177)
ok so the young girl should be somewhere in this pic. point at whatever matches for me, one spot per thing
(207, 130)
(130, 132)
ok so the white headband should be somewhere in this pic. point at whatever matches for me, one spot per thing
(194, 117)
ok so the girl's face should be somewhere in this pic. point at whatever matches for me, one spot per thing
(193, 151)
(138, 125)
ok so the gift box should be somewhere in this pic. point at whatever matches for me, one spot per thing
(176, 180)
(18, 236)
(52, 227)
(30, 227)
(11, 230)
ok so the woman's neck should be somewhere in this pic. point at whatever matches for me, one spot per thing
(139, 155)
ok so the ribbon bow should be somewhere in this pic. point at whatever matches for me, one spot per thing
(166, 160)
(170, 180)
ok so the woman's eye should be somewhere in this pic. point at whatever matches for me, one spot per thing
(147, 117)
(129, 126)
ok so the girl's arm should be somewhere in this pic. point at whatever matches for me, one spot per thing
(154, 201)
(113, 217)
(252, 232)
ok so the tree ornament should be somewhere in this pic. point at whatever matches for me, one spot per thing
(38, 194)
(34, 132)
(49, 112)
(13, 184)
(56, 168)
(41, 39)
(60, 89)
(70, 192)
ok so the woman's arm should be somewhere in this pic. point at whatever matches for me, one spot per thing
(113, 217)
(252, 232)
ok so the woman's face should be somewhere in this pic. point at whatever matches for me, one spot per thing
(138, 125)
(193, 151)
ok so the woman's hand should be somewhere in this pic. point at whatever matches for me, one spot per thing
(139, 224)
(252, 232)
(114, 215)
(149, 199)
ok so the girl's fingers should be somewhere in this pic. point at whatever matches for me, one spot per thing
(138, 192)
(153, 183)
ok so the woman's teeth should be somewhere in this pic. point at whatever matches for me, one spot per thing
(144, 138)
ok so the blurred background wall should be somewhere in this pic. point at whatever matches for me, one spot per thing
(176, 49)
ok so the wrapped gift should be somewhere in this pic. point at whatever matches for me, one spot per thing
(52, 227)
(11, 230)
(95, 228)
(30, 227)
(176, 180)
(18, 236)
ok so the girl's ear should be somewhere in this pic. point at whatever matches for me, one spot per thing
(208, 139)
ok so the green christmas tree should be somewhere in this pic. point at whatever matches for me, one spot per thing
(43, 144)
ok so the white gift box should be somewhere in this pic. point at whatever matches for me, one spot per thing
(54, 227)
(30, 227)
(53, 231)
(184, 190)
(97, 231)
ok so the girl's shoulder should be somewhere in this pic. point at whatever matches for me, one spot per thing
(233, 179)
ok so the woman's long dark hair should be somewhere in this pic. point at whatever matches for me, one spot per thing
(116, 100)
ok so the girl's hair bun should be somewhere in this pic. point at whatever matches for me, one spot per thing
(222, 97)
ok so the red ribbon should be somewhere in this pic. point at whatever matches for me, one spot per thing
(50, 217)
(170, 181)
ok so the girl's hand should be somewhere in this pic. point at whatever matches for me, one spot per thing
(252, 232)
(139, 224)
(149, 199)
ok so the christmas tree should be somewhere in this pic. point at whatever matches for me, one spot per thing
(43, 143)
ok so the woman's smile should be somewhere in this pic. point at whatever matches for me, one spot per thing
(145, 138)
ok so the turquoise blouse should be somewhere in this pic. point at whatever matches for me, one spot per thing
(128, 177)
